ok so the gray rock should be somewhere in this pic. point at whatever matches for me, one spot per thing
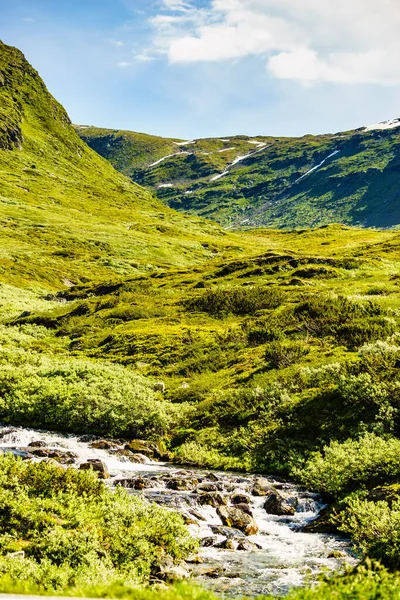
(261, 487)
(280, 504)
(96, 465)
(234, 517)
(212, 499)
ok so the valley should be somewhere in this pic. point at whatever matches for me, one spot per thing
(264, 354)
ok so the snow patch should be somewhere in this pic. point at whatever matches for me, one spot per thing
(165, 158)
(219, 176)
(391, 124)
(317, 166)
(166, 185)
(222, 140)
(188, 192)
(227, 149)
(185, 143)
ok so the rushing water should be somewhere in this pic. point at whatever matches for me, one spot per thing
(286, 557)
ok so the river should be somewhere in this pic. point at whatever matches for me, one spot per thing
(278, 557)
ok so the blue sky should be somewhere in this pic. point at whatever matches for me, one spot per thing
(186, 68)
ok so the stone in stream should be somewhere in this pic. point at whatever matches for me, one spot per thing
(226, 544)
(240, 498)
(62, 456)
(215, 499)
(207, 487)
(280, 504)
(261, 487)
(96, 465)
(150, 449)
(247, 546)
(135, 458)
(37, 444)
(229, 532)
(234, 517)
(104, 445)
(169, 571)
(245, 508)
(197, 515)
(184, 484)
(136, 483)
(208, 541)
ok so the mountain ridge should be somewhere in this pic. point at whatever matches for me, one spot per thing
(263, 180)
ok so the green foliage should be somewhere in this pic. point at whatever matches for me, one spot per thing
(342, 467)
(67, 394)
(75, 532)
(237, 301)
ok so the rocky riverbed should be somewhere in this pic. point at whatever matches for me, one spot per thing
(250, 527)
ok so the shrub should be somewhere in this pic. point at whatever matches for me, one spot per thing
(282, 354)
(79, 530)
(76, 395)
(375, 528)
(236, 300)
(341, 467)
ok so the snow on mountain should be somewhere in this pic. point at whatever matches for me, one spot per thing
(391, 124)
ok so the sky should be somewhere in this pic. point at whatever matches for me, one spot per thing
(210, 68)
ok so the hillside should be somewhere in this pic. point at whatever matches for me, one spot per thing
(266, 351)
(349, 177)
(66, 214)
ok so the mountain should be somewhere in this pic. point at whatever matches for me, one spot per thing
(350, 177)
(66, 215)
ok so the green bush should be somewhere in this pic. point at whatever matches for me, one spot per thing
(282, 354)
(235, 300)
(74, 531)
(78, 395)
(375, 529)
(342, 467)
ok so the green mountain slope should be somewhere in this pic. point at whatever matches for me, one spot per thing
(66, 215)
(350, 177)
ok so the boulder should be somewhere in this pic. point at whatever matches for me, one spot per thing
(206, 487)
(169, 571)
(208, 541)
(245, 508)
(96, 465)
(212, 499)
(104, 445)
(261, 487)
(227, 544)
(159, 386)
(234, 517)
(183, 484)
(247, 546)
(150, 449)
(240, 498)
(280, 504)
(37, 444)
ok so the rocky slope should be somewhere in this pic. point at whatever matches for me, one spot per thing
(349, 177)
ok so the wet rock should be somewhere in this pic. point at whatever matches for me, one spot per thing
(96, 465)
(195, 560)
(188, 519)
(37, 444)
(207, 542)
(168, 571)
(280, 504)
(213, 476)
(215, 499)
(229, 532)
(63, 456)
(136, 483)
(206, 487)
(247, 546)
(261, 487)
(104, 445)
(240, 498)
(150, 449)
(213, 572)
(197, 515)
(245, 508)
(234, 517)
(227, 544)
(186, 484)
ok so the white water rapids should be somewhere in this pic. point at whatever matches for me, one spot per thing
(287, 557)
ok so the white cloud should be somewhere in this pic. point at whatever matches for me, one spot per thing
(117, 43)
(123, 64)
(346, 41)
